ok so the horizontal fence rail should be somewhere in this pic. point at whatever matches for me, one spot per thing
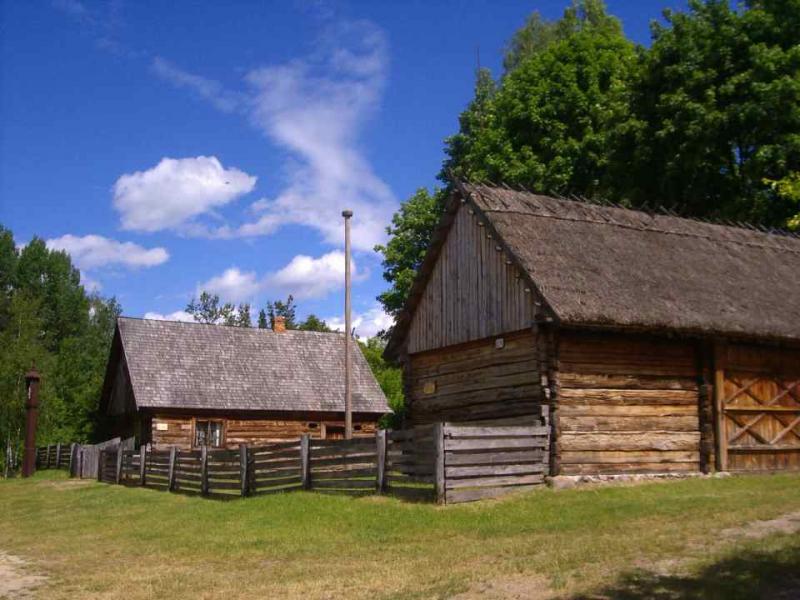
(445, 462)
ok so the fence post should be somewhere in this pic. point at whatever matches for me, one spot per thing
(118, 476)
(73, 459)
(244, 472)
(173, 454)
(380, 458)
(439, 474)
(47, 466)
(142, 463)
(204, 470)
(58, 455)
(305, 459)
(100, 459)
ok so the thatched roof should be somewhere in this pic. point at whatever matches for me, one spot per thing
(611, 267)
(192, 365)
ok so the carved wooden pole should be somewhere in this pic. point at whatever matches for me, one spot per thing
(32, 379)
(348, 400)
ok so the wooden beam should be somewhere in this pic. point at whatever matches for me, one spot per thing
(173, 454)
(244, 471)
(720, 351)
(204, 470)
(439, 472)
(118, 470)
(380, 458)
(142, 464)
(305, 457)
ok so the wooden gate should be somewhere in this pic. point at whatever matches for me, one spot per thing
(759, 410)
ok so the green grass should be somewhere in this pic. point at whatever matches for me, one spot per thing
(102, 541)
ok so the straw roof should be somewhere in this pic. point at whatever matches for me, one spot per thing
(192, 365)
(611, 267)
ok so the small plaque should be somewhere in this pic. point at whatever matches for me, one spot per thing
(429, 387)
(162, 426)
(499, 343)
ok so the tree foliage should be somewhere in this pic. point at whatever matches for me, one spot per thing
(705, 121)
(209, 309)
(714, 111)
(389, 377)
(47, 318)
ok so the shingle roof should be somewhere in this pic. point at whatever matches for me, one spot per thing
(606, 266)
(192, 365)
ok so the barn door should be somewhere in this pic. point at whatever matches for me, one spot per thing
(760, 422)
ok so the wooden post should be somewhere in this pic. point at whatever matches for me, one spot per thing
(47, 464)
(348, 399)
(142, 464)
(173, 455)
(31, 419)
(58, 455)
(73, 459)
(719, 401)
(100, 459)
(439, 473)
(243, 470)
(380, 457)
(305, 461)
(118, 477)
(204, 470)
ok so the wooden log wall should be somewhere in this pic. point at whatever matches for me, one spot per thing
(489, 379)
(178, 430)
(627, 404)
(473, 291)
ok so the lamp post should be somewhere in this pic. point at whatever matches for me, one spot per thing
(348, 400)
(32, 378)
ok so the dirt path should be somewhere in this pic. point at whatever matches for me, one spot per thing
(16, 580)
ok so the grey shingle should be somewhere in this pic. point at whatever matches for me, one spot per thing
(192, 365)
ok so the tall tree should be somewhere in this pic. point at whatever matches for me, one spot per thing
(287, 310)
(549, 124)
(314, 323)
(263, 322)
(409, 237)
(715, 111)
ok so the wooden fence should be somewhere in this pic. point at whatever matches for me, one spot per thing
(446, 462)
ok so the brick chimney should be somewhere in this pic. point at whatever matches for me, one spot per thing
(279, 324)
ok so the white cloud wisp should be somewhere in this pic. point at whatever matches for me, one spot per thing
(95, 251)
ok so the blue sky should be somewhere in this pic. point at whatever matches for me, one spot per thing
(177, 146)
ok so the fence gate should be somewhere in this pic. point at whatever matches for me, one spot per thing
(759, 419)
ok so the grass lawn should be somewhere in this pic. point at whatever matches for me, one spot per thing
(656, 540)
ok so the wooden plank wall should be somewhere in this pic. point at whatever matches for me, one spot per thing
(472, 292)
(761, 402)
(475, 381)
(237, 431)
(627, 404)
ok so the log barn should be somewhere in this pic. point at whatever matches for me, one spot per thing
(191, 384)
(659, 344)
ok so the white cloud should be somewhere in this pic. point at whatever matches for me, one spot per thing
(178, 315)
(175, 191)
(308, 277)
(316, 109)
(233, 285)
(367, 324)
(208, 89)
(93, 251)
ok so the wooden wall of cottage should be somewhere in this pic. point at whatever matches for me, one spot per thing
(178, 429)
(630, 404)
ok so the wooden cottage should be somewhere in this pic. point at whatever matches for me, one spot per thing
(660, 344)
(190, 384)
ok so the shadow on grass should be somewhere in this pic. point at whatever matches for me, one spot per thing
(773, 575)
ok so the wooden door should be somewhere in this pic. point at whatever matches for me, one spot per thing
(760, 415)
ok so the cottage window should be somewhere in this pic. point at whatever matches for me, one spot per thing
(208, 433)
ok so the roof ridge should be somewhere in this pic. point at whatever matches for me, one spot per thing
(231, 327)
(646, 209)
